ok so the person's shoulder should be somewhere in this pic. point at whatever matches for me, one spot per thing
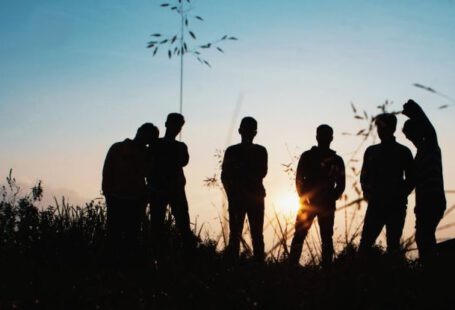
(373, 148)
(338, 157)
(307, 153)
(233, 148)
(403, 148)
(260, 148)
(121, 144)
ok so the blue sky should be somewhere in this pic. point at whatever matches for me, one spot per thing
(75, 77)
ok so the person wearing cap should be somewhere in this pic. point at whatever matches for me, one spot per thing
(429, 181)
(124, 187)
(167, 183)
(243, 169)
(386, 183)
(320, 181)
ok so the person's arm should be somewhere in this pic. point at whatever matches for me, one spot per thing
(301, 176)
(365, 174)
(108, 172)
(412, 110)
(184, 156)
(226, 170)
(340, 182)
(409, 182)
(260, 170)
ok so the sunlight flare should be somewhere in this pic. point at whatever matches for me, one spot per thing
(288, 203)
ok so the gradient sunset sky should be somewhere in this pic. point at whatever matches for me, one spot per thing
(76, 76)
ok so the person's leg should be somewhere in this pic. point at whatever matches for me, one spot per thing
(326, 220)
(179, 206)
(157, 216)
(132, 223)
(373, 223)
(394, 227)
(114, 228)
(426, 224)
(303, 223)
(255, 210)
(236, 219)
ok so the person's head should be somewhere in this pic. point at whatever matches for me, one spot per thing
(174, 124)
(324, 135)
(386, 125)
(248, 129)
(147, 134)
(413, 132)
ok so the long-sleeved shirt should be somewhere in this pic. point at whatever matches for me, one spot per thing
(387, 173)
(320, 177)
(429, 180)
(243, 169)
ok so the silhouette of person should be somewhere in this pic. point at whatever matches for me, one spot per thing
(124, 187)
(243, 169)
(429, 182)
(167, 181)
(385, 179)
(320, 181)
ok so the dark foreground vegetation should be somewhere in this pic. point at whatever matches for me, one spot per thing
(56, 259)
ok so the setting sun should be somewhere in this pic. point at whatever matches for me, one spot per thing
(287, 203)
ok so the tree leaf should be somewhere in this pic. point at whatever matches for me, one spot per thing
(150, 45)
(185, 46)
(192, 34)
(233, 38)
(358, 117)
(169, 54)
(424, 87)
(173, 39)
(200, 18)
(186, 22)
(156, 35)
(207, 63)
(164, 5)
(443, 106)
(353, 108)
(219, 48)
(155, 51)
(164, 41)
(174, 8)
(224, 37)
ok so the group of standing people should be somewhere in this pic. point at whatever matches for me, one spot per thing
(146, 170)
(149, 170)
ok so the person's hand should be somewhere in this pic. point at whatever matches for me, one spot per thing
(411, 109)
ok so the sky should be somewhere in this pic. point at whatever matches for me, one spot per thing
(76, 76)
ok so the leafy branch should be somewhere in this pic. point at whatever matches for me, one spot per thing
(177, 44)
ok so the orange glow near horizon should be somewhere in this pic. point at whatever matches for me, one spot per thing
(287, 204)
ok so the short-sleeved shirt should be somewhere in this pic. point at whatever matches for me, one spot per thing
(243, 169)
(386, 170)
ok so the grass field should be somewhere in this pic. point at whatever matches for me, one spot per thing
(55, 258)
